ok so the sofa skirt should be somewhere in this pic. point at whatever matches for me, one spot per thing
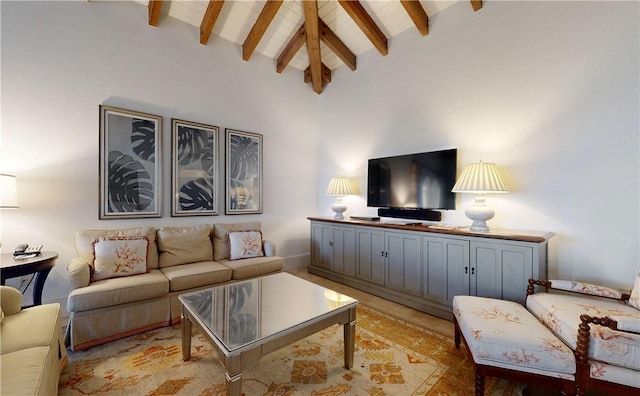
(98, 326)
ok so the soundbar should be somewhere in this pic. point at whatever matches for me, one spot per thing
(411, 213)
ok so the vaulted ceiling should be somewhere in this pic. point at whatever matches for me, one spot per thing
(312, 36)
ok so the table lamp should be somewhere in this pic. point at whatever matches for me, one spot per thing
(480, 179)
(339, 187)
(8, 192)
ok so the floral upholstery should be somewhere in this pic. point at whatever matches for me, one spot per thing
(586, 288)
(504, 334)
(561, 313)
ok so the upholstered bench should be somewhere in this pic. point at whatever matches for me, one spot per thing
(506, 341)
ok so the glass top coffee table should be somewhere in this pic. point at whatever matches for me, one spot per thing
(246, 320)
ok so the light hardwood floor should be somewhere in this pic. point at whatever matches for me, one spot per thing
(381, 304)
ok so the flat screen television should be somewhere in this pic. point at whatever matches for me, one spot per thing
(421, 181)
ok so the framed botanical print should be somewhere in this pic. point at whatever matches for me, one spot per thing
(130, 164)
(194, 163)
(243, 175)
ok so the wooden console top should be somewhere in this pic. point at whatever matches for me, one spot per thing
(497, 233)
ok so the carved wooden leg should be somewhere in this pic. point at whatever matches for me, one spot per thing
(479, 385)
(456, 333)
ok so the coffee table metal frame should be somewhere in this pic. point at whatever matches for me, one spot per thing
(236, 361)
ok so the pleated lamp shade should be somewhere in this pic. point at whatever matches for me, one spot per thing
(339, 186)
(480, 178)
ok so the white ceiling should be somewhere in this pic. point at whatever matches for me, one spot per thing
(237, 17)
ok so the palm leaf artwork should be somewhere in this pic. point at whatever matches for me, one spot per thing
(143, 139)
(244, 171)
(196, 152)
(130, 187)
(245, 152)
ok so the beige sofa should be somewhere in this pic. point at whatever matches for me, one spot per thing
(179, 260)
(33, 352)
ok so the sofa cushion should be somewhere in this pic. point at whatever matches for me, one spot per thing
(221, 237)
(84, 242)
(31, 371)
(183, 245)
(119, 256)
(504, 334)
(561, 313)
(32, 327)
(188, 276)
(245, 244)
(116, 291)
(252, 267)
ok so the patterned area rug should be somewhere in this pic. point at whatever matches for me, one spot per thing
(392, 357)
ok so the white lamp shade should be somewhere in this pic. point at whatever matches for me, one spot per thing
(480, 178)
(339, 186)
(8, 192)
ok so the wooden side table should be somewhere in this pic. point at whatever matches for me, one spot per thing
(40, 265)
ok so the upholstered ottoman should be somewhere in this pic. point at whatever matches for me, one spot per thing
(507, 341)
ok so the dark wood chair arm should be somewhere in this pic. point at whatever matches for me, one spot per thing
(584, 333)
(533, 282)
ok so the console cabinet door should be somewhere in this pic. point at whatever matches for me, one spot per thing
(443, 263)
(370, 259)
(501, 270)
(344, 250)
(333, 248)
(403, 262)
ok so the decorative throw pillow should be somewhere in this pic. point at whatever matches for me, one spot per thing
(245, 244)
(634, 301)
(119, 256)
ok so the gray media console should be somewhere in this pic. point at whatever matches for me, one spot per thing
(424, 267)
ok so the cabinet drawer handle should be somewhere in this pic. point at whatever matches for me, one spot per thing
(382, 253)
(466, 270)
(473, 270)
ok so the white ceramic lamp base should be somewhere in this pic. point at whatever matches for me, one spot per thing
(339, 208)
(479, 213)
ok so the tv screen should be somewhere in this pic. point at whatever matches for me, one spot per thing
(422, 180)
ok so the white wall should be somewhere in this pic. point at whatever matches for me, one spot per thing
(549, 91)
(60, 60)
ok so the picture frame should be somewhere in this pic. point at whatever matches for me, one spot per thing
(194, 169)
(243, 172)
(130, 161)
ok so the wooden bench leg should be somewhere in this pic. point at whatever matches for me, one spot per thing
(479, 385)
(456, 333)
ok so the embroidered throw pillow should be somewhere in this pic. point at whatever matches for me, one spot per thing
(634, 301)
(119, 256)
(245, 244)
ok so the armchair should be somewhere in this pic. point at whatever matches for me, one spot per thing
(600, 325)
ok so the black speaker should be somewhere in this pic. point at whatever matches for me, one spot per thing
(411, 213)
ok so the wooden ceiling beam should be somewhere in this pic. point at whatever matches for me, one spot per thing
(336, 45)
(313, 44)
(260, 27)
(417, 14)
(209, 20)
(326, 74)
(154, 7)
(292, 48)
(366, 24)
(476, 4)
